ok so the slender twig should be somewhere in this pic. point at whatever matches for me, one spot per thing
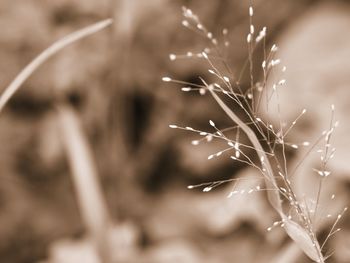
(46, 54)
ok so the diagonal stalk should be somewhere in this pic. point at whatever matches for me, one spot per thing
(273, 196)
(46, 54)
(90, 198)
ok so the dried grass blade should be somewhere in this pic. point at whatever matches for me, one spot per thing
(85, 178)
(302, 239)
(46, 54)
(273, 196)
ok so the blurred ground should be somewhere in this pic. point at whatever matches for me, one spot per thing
(113, 81)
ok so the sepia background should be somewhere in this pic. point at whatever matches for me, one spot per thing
(111, 83)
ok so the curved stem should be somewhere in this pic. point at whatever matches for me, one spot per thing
(46, 54)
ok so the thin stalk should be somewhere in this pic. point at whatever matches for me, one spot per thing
(85, 178)
(46, 54)
(273, 197)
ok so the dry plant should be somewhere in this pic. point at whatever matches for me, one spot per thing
(86, 182)
(297, 215)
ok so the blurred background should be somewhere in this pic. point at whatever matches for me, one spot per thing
(111, 82)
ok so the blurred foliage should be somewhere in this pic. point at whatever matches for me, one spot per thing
(113, 80)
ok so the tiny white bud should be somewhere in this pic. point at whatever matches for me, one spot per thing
(207, 189)
(275, 62)
(226, 79)
(251, 11)
(172, 57)
(202, 91)
(282, 82)
(274, 48)
(172, 126)
(252, 29)
(237, 154)
(166, 79)
(326, 173)
(185, 23)
(187, 12)
(211, 123)
(249, 38)
(195, 142)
